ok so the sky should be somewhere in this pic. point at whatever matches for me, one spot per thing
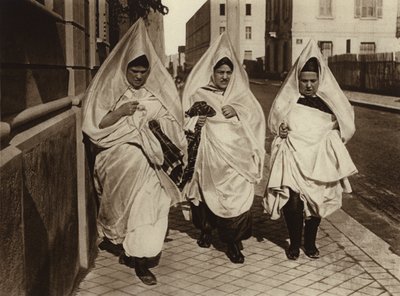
(180, 11)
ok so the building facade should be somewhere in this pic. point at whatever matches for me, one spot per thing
(49, 52)
(243, 20)
(339, 27)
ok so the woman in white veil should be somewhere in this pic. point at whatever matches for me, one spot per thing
(230, 153)
(132, 114)
(311, 119)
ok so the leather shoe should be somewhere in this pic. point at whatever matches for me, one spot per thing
(204, 240)
(107, 245)
(234, 253)
(143, 273)
(292, 253)
(312, 253)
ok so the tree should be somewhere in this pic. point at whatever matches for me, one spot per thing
(122, 11)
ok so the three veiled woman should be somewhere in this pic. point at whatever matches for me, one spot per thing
(230, 155)
(312, 120)
(131, 113)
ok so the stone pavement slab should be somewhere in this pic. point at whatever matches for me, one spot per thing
(353, 262)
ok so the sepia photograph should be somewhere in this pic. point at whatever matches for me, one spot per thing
(200, 147)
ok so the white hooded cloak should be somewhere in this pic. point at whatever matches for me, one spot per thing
(313, 159)
(135, 193)
(231, 153)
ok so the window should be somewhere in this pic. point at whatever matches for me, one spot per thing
(325, 8)
(248, 32)
(222, 9)
(248, 55)
(221, 30)
(367, 47)
(348, 46)
(368, 9)
(326, 48)
(248, 9)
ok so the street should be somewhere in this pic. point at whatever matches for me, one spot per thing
(375, 149)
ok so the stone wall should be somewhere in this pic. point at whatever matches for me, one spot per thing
(48, 208)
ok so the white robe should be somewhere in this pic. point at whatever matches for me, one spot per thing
(135, 193)
(312, 161)
(227, 164)
(134, 204)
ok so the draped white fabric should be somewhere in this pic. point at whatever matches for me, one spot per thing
(110, 84)
(313, 159)
(328, 90)
(135, 193)
(231, 153)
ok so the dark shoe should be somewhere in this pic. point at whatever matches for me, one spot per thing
(107, 245)
(313, 253)
(234, 253)
(292, 253)
(204, 240)
(130, 261)
(143, 272)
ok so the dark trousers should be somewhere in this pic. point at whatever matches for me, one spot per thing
(230, 230)
(293, 214)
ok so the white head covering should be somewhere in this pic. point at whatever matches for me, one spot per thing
(329, 91)
(237, 94)
(110, 83)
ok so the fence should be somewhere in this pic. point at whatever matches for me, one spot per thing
(376, 73)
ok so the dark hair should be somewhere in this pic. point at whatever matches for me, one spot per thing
(139, 61)
(223, 61)
(311, 65)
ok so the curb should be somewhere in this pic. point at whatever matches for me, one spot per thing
(372, 245)
(376, 106)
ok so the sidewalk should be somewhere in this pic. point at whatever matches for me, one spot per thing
(358, 98)
(354, 261)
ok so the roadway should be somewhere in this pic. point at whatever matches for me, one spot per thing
(375, 149)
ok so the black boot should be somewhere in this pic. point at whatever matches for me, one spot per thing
(143, 272)
(204, 240)
(293, 213)
(234, 254)
(310, 235)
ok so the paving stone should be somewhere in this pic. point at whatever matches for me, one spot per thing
(186, 269)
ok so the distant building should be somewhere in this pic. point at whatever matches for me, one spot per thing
(243, 20)
(356, 26)
(176, 62)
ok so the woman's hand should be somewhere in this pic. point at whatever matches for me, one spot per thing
(283, 130)
(228, 111)
(201, 121)
(128, 108)
(113, 116)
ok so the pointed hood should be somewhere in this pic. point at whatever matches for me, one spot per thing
(329, 91)
(110, 83)
(237, 94)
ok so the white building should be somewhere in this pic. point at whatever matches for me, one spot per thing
(243, 20)
(339, 26)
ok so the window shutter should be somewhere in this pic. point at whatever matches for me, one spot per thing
(321, 7)
(379, 8)
(357, 8)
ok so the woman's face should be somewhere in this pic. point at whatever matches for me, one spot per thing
(308, 83)
(222, 76)
(137, 75)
